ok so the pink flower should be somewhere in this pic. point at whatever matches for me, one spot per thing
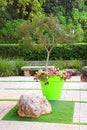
(43, 75)
(64, 78)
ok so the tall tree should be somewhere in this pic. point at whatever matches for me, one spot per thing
(23, 8)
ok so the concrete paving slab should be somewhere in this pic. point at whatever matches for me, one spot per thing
(28, 78)
(74, 78)
(5, 107)
(80, 113)
(72, 85)
(15, 94)
(83, 127)
(19, 85)
(70, 95)
(16, 78)
(75, 85)
(76, 114)
(14, 125)
(83, 85)
(83, 95)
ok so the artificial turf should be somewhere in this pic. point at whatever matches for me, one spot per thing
(62, 112)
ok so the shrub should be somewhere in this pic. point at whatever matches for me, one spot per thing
(72, 64)
(9, 50)
(65, 52)
(6, 67)
(18, 64)
(8, 33)
(10, 68)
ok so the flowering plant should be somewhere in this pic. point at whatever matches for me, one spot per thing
(44, 75)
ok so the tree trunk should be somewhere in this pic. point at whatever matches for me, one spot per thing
(47, 60)
(48, 56)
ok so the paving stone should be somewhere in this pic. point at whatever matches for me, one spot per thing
(70, 95)
(83, 95)
(15, 94)
(83, 85)
(7, 106)
(72, 85)
(76, 115)
(55, 126)
(80, 113)
(28, 78)
(74, 95)
(75, 85)
(74, 78)
(14, 125)
(83, 127)
(4, 128)
(16, 78)
(19, 85)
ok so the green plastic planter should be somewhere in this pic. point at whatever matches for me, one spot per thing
(53, 89)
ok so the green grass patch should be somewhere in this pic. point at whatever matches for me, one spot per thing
(62, 113)
(74, 81)
(40, 89)
(74, 89)
(7, 99)
(22, 89)
(9, 44)
(17, 81)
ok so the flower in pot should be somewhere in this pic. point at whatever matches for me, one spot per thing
(52, 82)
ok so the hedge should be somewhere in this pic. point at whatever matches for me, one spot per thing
(64, 52)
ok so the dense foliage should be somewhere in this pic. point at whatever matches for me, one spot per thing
(64, 52)
(10, 68)
(69, 13)
(72, 12)
(8, 32)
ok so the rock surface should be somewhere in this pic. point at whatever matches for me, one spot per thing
(84, 74)
(33, 106)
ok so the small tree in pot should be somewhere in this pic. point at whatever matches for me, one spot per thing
(47, 32)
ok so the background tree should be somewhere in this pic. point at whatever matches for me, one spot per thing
(8, 33)
(4, 15)
(22, 8)
(69, 12)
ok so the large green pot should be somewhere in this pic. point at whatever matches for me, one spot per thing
(53, 89)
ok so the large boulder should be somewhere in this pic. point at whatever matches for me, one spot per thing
(84, 74)
(33, 106)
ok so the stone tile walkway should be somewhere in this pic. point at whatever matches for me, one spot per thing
(5, 107)
(80, 113)
(72, 91)
(15, 125)
(15, 94)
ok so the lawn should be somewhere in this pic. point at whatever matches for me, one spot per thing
(62, 113)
